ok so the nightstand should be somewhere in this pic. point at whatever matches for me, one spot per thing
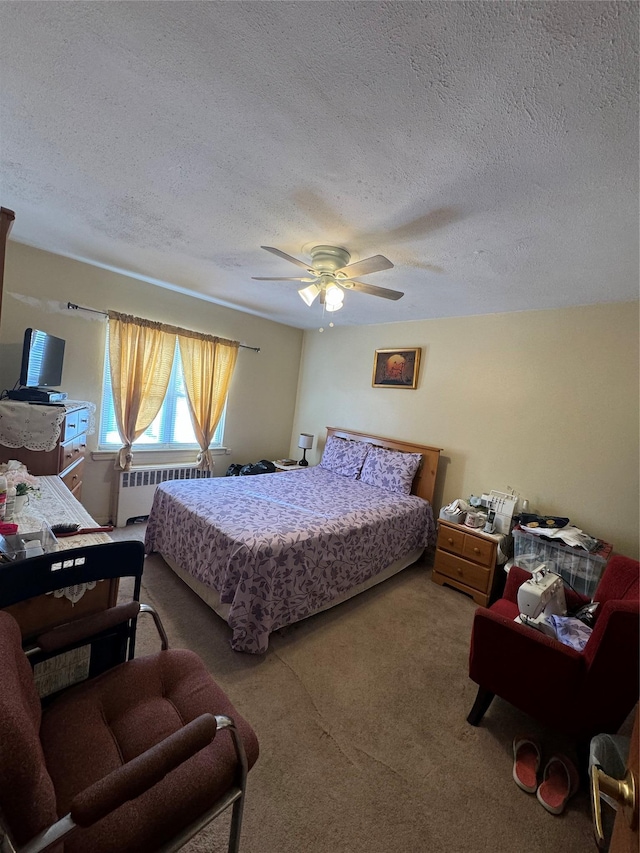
(466, 560)
(289, 467)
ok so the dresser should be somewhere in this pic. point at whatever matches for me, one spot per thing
(47, 439)
(466, 559)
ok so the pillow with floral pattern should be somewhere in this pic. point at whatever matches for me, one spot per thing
(390, 469)
(344, 457)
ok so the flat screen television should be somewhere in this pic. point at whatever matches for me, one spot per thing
(42, 358)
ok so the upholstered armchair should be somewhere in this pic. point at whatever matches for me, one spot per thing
(137, 759)
(580, 693)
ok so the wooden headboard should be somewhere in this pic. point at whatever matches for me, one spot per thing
(425, 480)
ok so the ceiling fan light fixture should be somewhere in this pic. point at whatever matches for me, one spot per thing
(334, 297)
(309, 294)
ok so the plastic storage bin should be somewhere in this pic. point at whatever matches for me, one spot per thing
(21, 546)
(581, 569)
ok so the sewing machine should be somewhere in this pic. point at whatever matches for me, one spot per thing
(539, 597)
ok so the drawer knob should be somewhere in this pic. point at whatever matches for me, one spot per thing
(75, 477)
(73, 426)
(68, 455)
(459, 571)
(476, 550)
(450, 541)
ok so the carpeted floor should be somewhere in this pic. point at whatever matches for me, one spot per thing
(361, 716)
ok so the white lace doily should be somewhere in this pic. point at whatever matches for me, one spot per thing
(37, 427)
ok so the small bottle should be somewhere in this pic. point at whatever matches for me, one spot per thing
(525, 506)
(3, 496)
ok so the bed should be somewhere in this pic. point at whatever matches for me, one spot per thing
(267, 551)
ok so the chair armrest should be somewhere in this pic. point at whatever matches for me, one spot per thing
(130, 781)
(141, 773)
(164, 641)
(74, 632)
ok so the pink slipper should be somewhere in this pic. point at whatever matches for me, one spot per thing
(526, 763)
(560, 781)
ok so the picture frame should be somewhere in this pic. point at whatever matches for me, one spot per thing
(396, 368)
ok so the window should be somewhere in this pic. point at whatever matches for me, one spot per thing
(172, 428)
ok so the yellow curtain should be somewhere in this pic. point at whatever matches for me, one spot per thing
(208, 364)
(141, 356)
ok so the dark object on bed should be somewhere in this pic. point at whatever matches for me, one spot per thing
(139, 758)
(233, 470)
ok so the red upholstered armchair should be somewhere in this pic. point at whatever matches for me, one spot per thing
(134, 760)
(580, 693)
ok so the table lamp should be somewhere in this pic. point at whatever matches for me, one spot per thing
(306, 443)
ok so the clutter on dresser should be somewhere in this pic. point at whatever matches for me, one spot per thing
(456, 511)
(16, 484)
(26, 544)
(501, 504)
(492, 512)
(475, 520)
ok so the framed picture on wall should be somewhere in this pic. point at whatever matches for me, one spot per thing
(396, 368)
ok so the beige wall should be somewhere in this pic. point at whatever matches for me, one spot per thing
(543, 401)
(38, 286)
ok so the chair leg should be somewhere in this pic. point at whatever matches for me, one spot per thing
(236, 825)
(480, 706)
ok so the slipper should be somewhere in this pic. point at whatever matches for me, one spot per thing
(526, 763)
(560, 781)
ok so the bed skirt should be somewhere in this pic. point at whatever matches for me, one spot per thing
(212, 599)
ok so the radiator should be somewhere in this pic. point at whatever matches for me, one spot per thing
(136, 489)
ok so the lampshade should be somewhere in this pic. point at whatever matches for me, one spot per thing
(308, 294)
(334, 297)
(305, 440)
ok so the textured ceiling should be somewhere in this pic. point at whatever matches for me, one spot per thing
(490, 150)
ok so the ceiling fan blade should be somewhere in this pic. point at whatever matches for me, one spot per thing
(286, 257)
(368, 265)
(269, 278)
(362, 287)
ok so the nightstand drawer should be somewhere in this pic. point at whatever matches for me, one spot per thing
(450, 540)
(479, 550)
(463, 571)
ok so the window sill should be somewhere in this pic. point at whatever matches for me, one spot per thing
(157, 456)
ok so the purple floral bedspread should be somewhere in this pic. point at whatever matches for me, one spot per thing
(276, 547)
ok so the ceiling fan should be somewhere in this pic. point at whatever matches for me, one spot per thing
(330, 274)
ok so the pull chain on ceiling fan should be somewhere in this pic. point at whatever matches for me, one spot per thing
(330, 274)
